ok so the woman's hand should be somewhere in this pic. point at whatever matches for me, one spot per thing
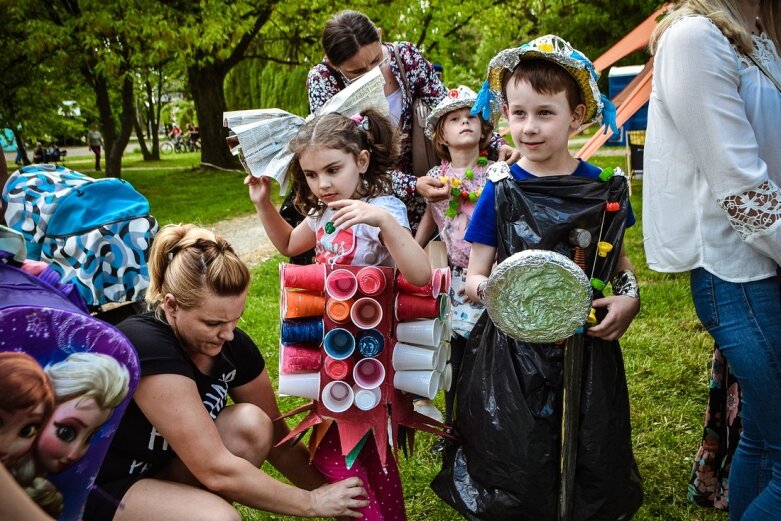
(259, 189)
(621, 310)
(432, 189)
(339, 499)
(508, 154)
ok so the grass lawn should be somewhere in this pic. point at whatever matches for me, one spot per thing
(666, 351)
(178, 189)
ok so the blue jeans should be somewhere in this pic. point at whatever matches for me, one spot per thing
(745, 320)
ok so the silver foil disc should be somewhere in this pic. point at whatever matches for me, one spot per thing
(538, 296)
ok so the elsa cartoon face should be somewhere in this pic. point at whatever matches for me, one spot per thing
(68, 433)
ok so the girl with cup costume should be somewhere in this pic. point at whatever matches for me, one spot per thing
(340, 170)
(506, 463)
(460, 139)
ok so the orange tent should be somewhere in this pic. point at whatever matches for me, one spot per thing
(638, 92)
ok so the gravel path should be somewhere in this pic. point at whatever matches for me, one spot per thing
(247, 237)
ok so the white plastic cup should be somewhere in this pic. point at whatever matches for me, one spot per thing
(420, 332)
(339, 343)
(337, 396)
(407, 357)
(366, 399)
(306, 385)
(447, 378)
(341, 284)
(366, 313)
(447, 329)
(369, 373)
(443, 355)
(422, 383)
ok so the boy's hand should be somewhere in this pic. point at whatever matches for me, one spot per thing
(620, 312)
(508, 154)
(259, 189)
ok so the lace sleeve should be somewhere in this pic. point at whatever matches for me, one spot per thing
(755, 214)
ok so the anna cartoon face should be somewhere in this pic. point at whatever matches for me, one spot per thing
(26, 400)
(18, 430)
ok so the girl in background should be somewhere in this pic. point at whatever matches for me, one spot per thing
(458, 137)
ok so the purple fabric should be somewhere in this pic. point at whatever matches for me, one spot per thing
(38, 320)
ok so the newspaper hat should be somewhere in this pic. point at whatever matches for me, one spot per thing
(554, 49)
(263, 135)
(459, 98)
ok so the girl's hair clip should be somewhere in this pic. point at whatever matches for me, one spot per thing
(361, 121)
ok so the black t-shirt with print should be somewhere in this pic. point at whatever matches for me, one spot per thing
(137, 449)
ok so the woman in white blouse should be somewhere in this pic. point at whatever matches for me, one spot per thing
(712, 206)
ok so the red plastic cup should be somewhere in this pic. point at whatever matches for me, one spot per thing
(341, 284)
(406, 286)
(297, 359)
(337, 369)
(309, 277)
(371, 281)
(410, 307)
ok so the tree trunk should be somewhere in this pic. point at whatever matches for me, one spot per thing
(20, 145)
(126, 119)
(206, 86)
(141, 141)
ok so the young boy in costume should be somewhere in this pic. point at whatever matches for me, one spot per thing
(509, 397)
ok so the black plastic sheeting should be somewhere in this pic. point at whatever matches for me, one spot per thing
(505, 461)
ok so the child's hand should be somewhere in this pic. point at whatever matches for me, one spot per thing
(259, 189)
(508, 154)
(469, 300)
(353, 211)
(620, 312)
(432, 189)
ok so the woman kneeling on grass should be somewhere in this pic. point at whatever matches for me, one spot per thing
(180, 452)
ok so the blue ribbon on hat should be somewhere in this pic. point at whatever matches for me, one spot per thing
(589, 66)
(609, 115)
(483, 103)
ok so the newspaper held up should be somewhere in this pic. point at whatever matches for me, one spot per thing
(263, 134)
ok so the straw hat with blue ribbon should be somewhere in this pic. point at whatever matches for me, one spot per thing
(554, 49)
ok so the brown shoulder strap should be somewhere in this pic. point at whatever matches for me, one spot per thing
(401, 68)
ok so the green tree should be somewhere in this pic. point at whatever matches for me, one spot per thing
(32, 84)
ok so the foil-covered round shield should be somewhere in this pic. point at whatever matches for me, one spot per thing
(538, 296)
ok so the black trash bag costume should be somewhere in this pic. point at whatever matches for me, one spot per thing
(505, 461)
